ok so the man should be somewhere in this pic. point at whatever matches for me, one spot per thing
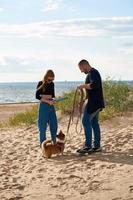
(95, 103)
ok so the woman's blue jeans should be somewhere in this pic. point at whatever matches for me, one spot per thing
(90, 122)
(47, 116)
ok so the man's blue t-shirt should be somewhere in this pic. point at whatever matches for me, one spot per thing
(95, 94)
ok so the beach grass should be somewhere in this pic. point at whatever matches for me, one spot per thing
(28, 117)
(1, 125)
(118, 99)
(66, 106)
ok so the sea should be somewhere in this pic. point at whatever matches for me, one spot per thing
(25, 92)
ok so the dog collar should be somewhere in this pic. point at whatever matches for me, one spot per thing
(61, 141)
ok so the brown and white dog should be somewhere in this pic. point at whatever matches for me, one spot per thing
(48, 148)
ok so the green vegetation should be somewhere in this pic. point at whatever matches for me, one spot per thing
(118, 98)
(1, 125)
(28, 117)
(66, 106)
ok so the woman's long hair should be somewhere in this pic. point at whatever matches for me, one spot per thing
(48, 74)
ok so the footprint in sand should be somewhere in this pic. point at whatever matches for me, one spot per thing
(42, 170)
(15, 198)
(20, 187)
(14, 180)
(94, 185)
(131, 188)
(82, 192)
(60, 197)
(111, 166)
(39, 176)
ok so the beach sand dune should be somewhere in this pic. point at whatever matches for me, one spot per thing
(9, 109)
(25, 174)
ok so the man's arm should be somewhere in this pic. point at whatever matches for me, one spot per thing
(85, 86)
(95, 82)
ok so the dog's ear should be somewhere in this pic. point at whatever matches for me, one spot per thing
(60, 132)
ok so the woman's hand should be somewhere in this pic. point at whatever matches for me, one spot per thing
(51, 102)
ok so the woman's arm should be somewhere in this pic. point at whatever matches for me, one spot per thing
(47, 99)
(50, 102)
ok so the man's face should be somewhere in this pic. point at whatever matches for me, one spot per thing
(84, 69)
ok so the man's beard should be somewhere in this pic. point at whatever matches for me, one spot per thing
(86, 72)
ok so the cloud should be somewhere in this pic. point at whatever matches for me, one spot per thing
(90, 27)
(126, 48)
(30, 64)
(15, 64)
(12, 60)
(128, 44)
(127, 51)
(51, 5)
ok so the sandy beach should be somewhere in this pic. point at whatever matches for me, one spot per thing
(25, 174)
(7, 110)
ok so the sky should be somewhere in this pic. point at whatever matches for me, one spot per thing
(56, 34)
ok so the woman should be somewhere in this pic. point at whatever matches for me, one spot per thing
(45, 93)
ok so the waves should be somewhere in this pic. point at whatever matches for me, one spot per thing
(25, 92)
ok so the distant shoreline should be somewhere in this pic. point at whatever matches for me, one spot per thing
(38, 80)
(65, 81)
(19, 103)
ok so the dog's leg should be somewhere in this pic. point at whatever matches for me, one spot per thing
(62, 150)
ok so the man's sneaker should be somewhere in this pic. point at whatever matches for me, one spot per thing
(84, 150)
(96, 149)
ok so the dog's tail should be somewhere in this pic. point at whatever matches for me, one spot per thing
(44, 144)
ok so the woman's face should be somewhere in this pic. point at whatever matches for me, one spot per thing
(50, 79)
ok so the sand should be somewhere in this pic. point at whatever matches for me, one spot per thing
(25, 174)
(7, 110)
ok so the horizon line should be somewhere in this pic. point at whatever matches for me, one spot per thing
(130, 80)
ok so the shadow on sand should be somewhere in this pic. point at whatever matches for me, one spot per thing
(104, 156)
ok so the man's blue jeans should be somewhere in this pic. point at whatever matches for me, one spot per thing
(47, 116)
(90, 121)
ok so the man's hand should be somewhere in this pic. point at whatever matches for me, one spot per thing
(84, 86)
(80, 87)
